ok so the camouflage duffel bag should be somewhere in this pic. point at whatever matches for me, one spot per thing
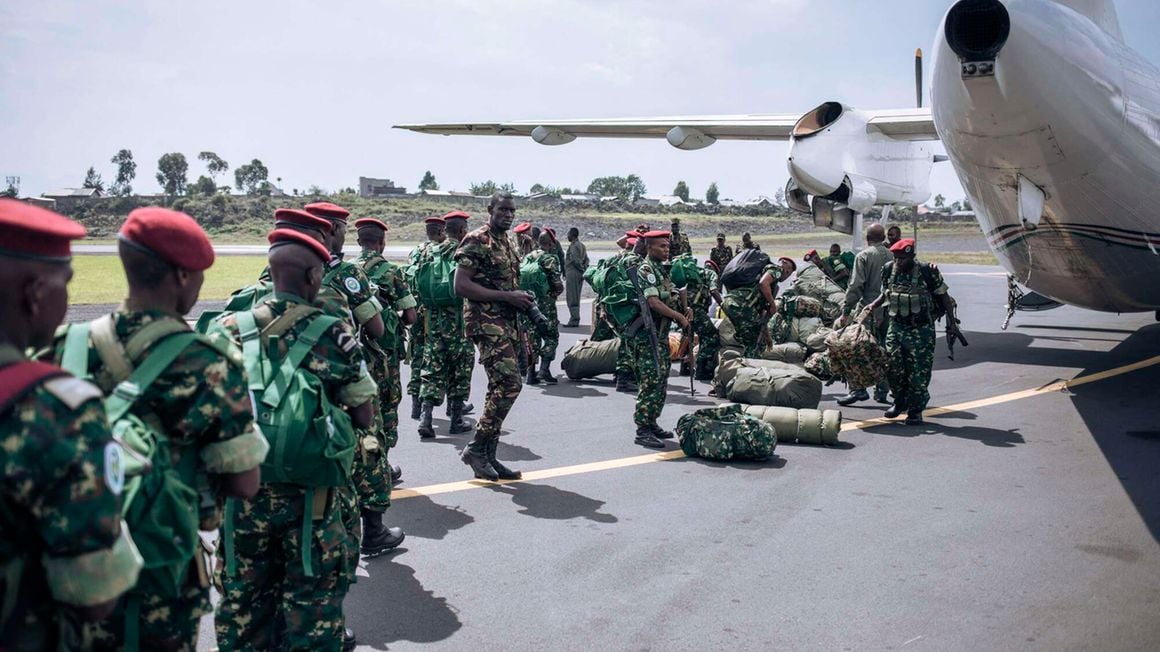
(819, 427)
(725, 433)
(588, 359)
(856, 355)
(818, 364)
(803, 306)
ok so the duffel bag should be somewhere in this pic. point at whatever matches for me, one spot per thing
(856, 355)
(794, 387)
(588, 359)
(790, 353)
(725, 433)
(801, 426)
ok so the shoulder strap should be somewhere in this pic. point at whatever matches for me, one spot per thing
(141, 341)
(927, 277)
(276, 388)
(109, 349)
(251, 349)
(19, 378)
(75, 357)
(129, 390)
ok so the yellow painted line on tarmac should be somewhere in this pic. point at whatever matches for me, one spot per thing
(637, 460)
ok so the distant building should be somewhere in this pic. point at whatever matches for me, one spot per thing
(368, 187)
(580, 199)
(760, 201)
(73, 193)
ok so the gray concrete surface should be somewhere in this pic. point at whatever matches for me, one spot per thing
(1030, 523)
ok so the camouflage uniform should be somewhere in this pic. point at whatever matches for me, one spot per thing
(625, 365)
(721, 255)
(910, 335)
(395, 296)
(418, 329)
(700, 298)
(493, 263)
(544, 345)
(270, 602)
(447, 356)
(678, 245)
(653, 382)
(838, 270)
(60, 511)
(201, 404)
(524, 243)
(748, 305)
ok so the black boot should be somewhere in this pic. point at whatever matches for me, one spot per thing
(624, 383)
(396, 474)
(894, 410)
(458, 425)
(704, 370)
(881, 394)
(914, 418)
(416, 406)
(426, 430)
(532, 379)
(546, 372)
(349, 642)
(647, 438)
(504, 472)
(684, 369)
(853, 397)
(661, 433)
(376, 537)
(475, 456)
(468, 408)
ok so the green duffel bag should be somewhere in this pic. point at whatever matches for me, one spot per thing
(790, 353)
(588, 359)
(794, 388)
(725, 433)
(818, 427)
(730, 361)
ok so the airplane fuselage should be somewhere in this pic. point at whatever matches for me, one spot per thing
(1076, 113)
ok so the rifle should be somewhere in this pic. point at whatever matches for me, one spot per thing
(958, 334)
(686, 350)
(645, 318)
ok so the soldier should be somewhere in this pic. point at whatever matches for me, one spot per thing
(865, 286)
(575, 264)
(750, 308)
(826, 265)
(679, 242)
(287, 587)
(557, 250)
(448, 356)
(840, 263)
(199, 402)
(524, 241)
(652, 364)
(910, 289)
(488, 277)
(543, 342)
(65, 557)
(436, 234)
(893, 235)
(721, 254)
(748, 243)
(701, 290)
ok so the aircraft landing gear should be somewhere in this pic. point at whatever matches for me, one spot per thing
(1014, 294)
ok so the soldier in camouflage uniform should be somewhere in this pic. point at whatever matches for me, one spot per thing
(865, 286)
(678, 242)
(910, 289)
(448, 356)
(664, 302)
(436, 234)
(721, 254)
(65, 557)
(631, 257)
(200, 403)
(840, 264)
(543, 342)
(488, 277)
(525, 243)
(750, 308)
(701, 291)
(272, 601)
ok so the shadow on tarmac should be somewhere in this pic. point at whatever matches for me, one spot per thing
(1016, 348)
(568, 389)
(774, 462)
(426, 518)
(546, 501)
(987, 436)
(415, 614)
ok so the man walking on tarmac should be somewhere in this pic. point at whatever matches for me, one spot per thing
(865, 286)
(575, 264)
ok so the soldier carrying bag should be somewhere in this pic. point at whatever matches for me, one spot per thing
(744, 270)
(435, 280)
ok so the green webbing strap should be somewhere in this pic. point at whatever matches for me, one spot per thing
(129, 390)
(251, 349)
(150, 334)
(132, 622)
(273, 394)
(307, 530)
(75, 357)
(228, 537)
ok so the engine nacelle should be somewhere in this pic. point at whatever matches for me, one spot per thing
(687, 138)
(551, 136)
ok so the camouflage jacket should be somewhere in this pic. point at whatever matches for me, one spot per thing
(493, 263)
(352, 283)
(678, 245)
(551, 266)
(721, 255)
(390, 286)
(655, 282)
(699, 289)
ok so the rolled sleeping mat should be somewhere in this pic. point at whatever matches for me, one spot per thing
(817, 427)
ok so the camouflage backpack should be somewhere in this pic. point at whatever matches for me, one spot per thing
(725, 433)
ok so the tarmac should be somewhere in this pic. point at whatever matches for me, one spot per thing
(1024, 514)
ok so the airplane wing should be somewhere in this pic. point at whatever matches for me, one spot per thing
(906, 124)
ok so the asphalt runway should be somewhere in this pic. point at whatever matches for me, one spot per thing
(1025, 514)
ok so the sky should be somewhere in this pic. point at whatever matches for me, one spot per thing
(313, 88)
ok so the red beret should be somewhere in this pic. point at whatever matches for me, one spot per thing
(279, 237)
(632, 234)
(792, 264)
(28, 231)
(523, 227)
(328, 210)
(904, 246)
(434, 220)
(714, 265)
(631, 242)
(371, 221)
(169, 235)
(551, 231)
(294, 217)
(453, 215)
(812, 253)
(657, 234)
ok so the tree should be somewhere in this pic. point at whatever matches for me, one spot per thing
(251, 176)
(967, 204)
(213, 164)
(629, 188)
(93, 180)
(682, 191)
(489, 187)
(171, 169)
(126, 172)
(939, 201)
(203, 186)
(428, 182)
(779, 197)
(712, 195)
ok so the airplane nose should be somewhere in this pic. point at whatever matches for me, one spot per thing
(977, 30)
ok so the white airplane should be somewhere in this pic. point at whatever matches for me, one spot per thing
(1051, 122)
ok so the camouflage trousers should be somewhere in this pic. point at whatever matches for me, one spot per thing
(747, 328)
(447, 359)
(163, 624)
(270, 601)
(544, 345)
(497, 355)
(602, 331)
(653, 383)
(710, 339)
(418, 343)
(369, 473)
(911, 353)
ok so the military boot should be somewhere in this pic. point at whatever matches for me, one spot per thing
(624, 383)
(853, 397)
(475, 456)
(416, 407)
(661, 433)
(458, 425)
(468, 408)
(396, 474)
(546, 371)
(349, 642)
(914, 418)
(704, 370)
(502, 471)
(894, 410)
(647, 438)
(532, 378)
(426, 430)
(881, 394)
(376, 537)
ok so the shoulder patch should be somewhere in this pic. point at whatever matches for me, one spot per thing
(114, 468)
(72, 391)
(352, 284)
(650, 277)
(346, 341)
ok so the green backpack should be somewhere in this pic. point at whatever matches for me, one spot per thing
(725, 433)
(616, 291)
(244, 299)
(160, 503)
(435, 280)
(312, 440)
(532, 276)
(685, 271)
